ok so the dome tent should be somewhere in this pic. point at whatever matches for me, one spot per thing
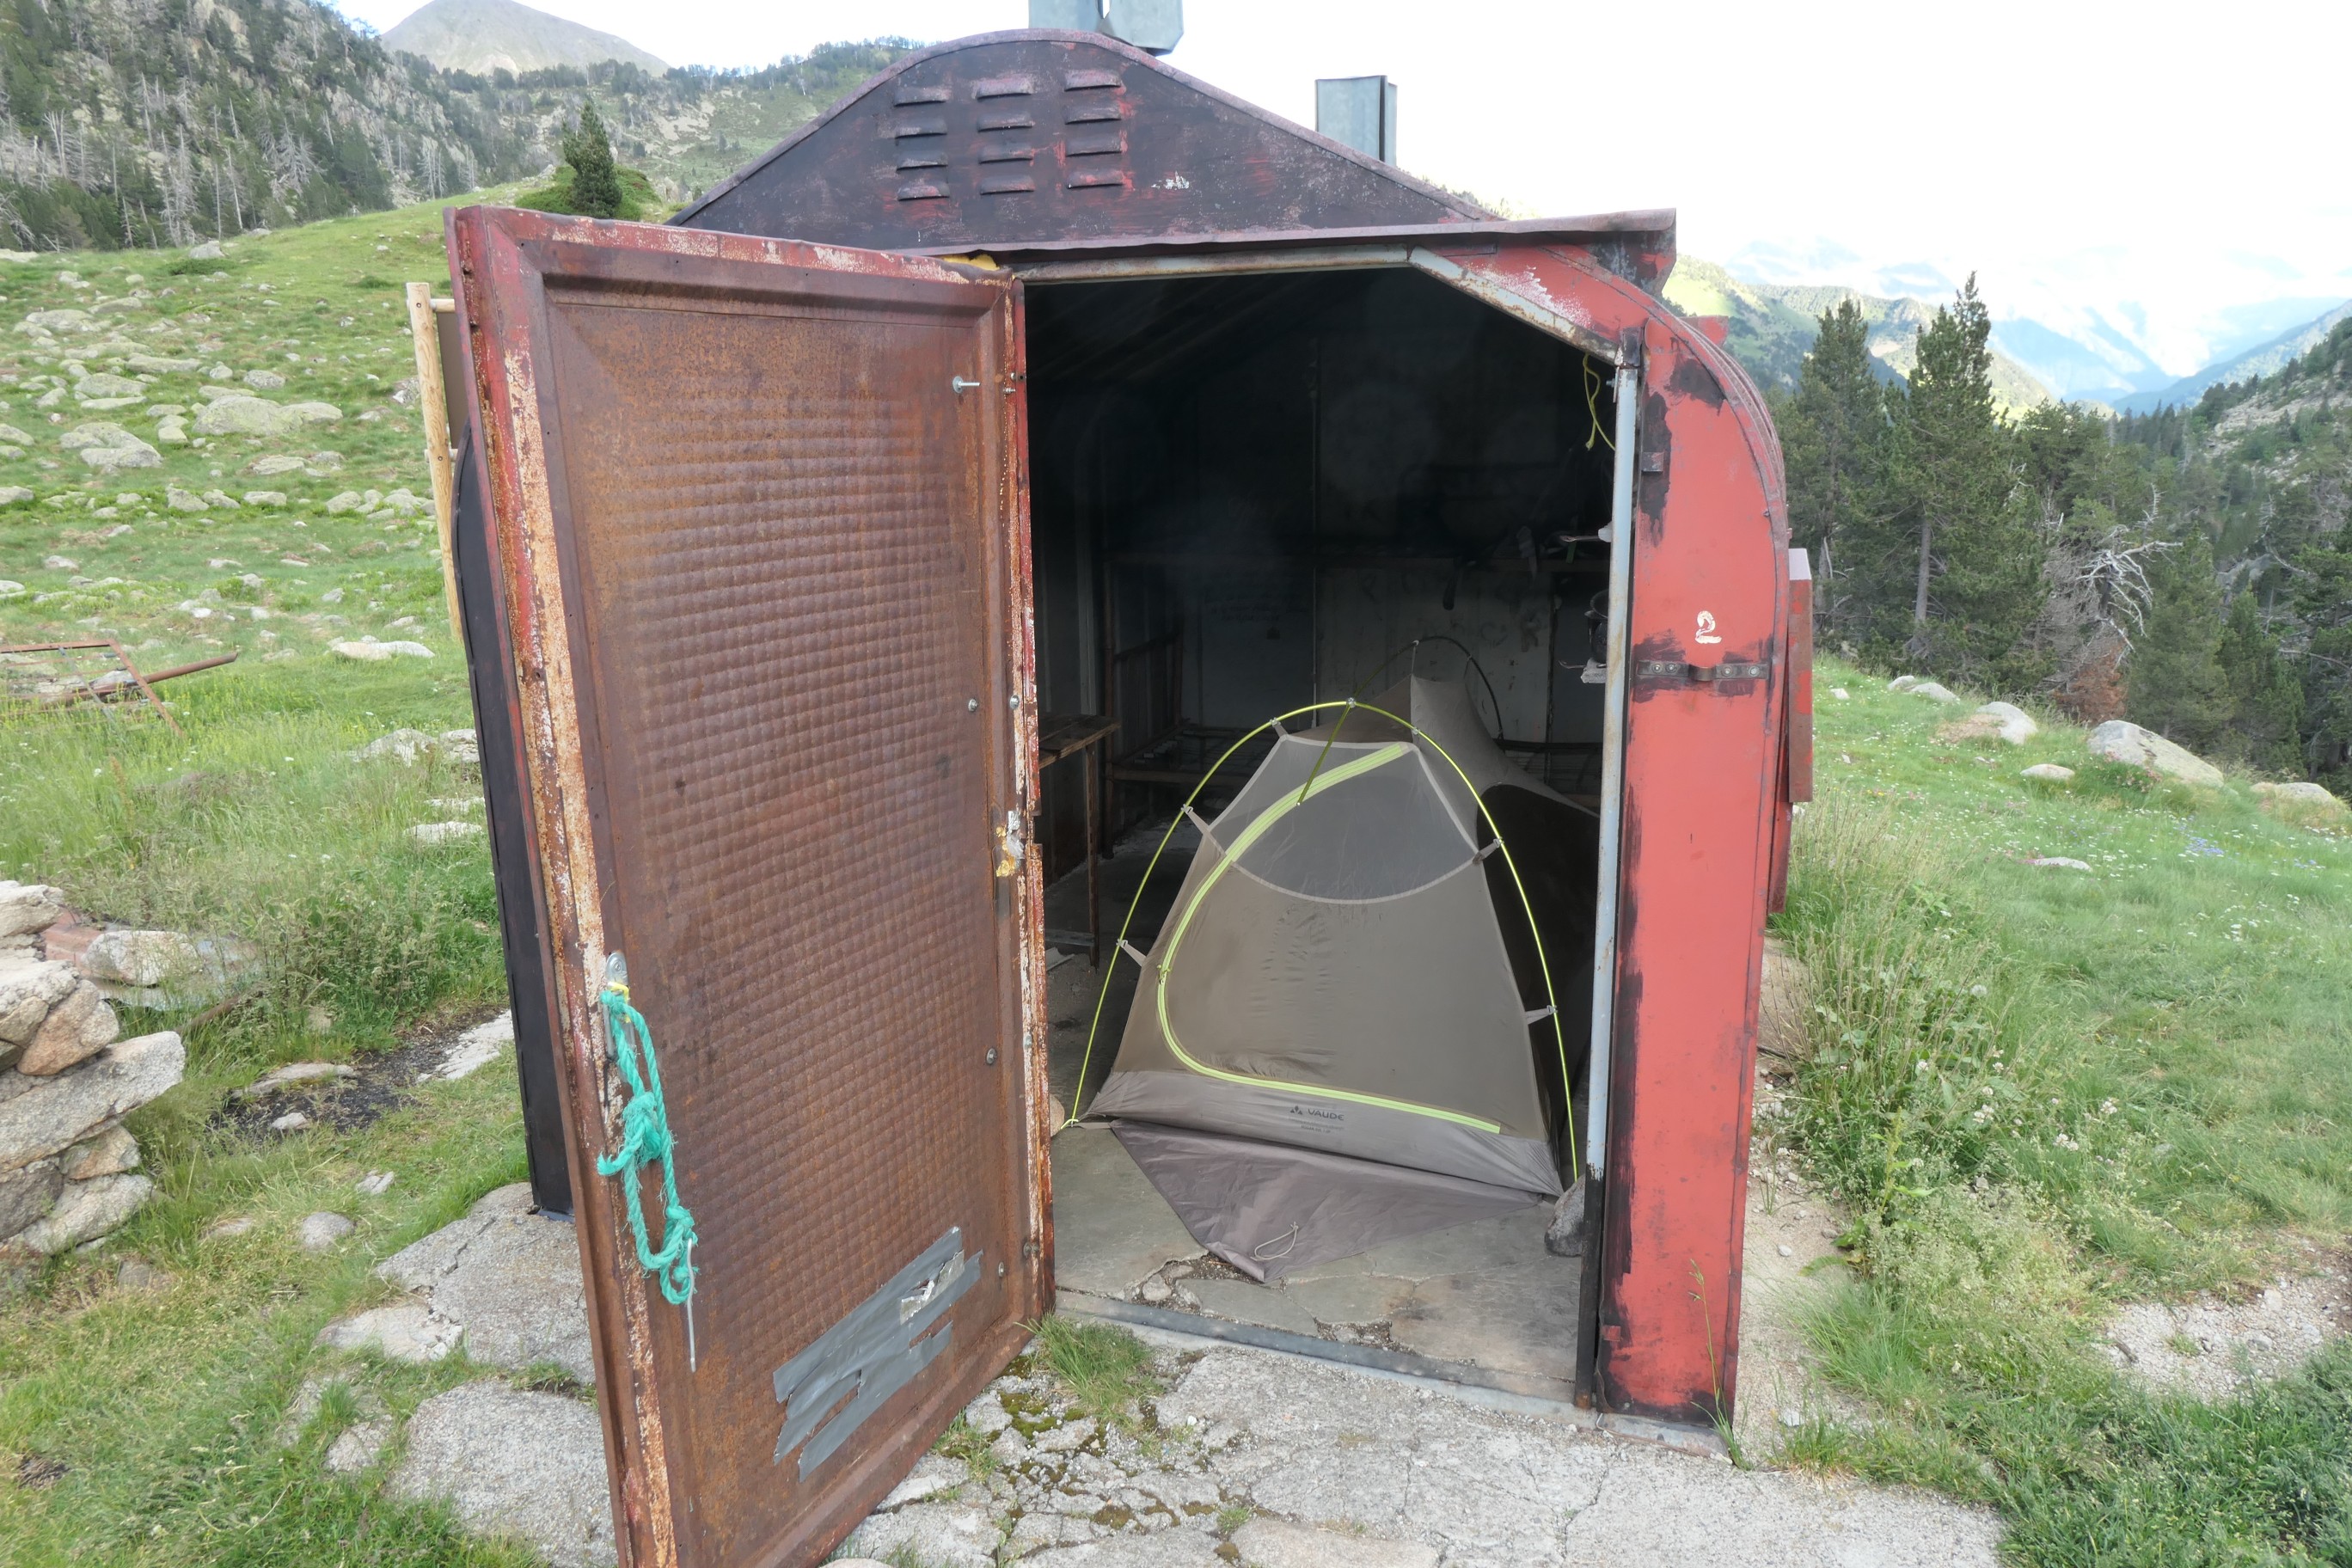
(1359, 1020)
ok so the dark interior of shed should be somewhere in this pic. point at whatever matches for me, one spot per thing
(1253, 492)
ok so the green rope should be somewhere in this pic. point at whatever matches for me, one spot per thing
(645, 1138)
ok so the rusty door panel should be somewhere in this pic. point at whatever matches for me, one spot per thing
(1702, 760)
(765, 569)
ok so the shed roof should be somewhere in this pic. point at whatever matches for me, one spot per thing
(1042, 141)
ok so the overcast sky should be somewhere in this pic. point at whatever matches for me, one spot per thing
(2185, 160)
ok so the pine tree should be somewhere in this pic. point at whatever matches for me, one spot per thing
(1833, 435)
(595, 182)
(2265, 699)
(2173, 682)
(1968, 529)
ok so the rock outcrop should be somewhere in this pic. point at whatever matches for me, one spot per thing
(67, 1167)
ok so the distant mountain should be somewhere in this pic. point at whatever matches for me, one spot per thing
(1771, 328)
(2266, 359)
(486, 35)
(163, 123)
(2097, 363)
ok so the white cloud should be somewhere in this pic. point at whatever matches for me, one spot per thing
(2079, 155)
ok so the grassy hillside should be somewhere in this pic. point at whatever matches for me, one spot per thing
(2043, 1092)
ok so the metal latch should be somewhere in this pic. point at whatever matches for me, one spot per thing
(1008, 845)
(1668, 669)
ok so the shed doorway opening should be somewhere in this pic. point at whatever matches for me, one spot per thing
(1251, 493)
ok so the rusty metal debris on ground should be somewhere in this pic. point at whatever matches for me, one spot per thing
(93, 678)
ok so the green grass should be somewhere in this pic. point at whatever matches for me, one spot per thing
(1105, 1371)
(2041, 1091)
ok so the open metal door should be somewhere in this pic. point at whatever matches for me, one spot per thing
(759, 528)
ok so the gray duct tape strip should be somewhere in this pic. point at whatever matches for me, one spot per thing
(871, 1354)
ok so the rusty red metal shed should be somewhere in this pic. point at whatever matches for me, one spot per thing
(779, 528)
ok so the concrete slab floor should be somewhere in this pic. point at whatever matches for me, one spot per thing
(1486, 1294)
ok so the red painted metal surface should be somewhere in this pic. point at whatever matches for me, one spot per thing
(761, 526)
(1796, 784)
(1702, 760)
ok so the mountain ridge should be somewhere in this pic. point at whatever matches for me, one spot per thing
(2258, 362)
(482, 36)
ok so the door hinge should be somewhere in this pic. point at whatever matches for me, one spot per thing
(1670, 669)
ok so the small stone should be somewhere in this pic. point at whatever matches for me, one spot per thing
(229, 1229)
(1787, 1251)
(461, 746)
(137, 1274)
(321, 1231)
(266, 380)
(27, 907)
(348, 500)
(1841, 693)
(1068, 1438)
(210, 250)
(1010, 1447)
(292, 1073)
(374, 1184)
(359, 1445)
(2049, 772)
(177, 500)
(1154, 1290)
(1933, 691)
(265, 498)
(292, 1121)
(433, 833)
(2059, 862)
(1903, 683)
(1793, 1419)
(141, 957)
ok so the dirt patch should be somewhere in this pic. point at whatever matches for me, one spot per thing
(2213, 1346)
(385, 1081)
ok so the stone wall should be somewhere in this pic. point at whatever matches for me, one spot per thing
(68, 1168)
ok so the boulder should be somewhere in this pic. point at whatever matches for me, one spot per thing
(461, 746)
(239, 415)
(138, 957)
(110, 1153)
(113, 460)
(15, 495)
(76, 1029)
(94, 433)
(28, 1195)
(1932, 692)
(263, 380)
(368, 650)
(2016, 725)
(27, 907)
(346, 501)
(1903, 683)
(405, 745)
(210, 250)
(13, 437)
(109, 385)
(88, 1210)
(2120, 741)
(312, 414)
(158, 365)
(275, 464)
(2049, 772)
(2303, 803)
(41, 1117)
(28, 992)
